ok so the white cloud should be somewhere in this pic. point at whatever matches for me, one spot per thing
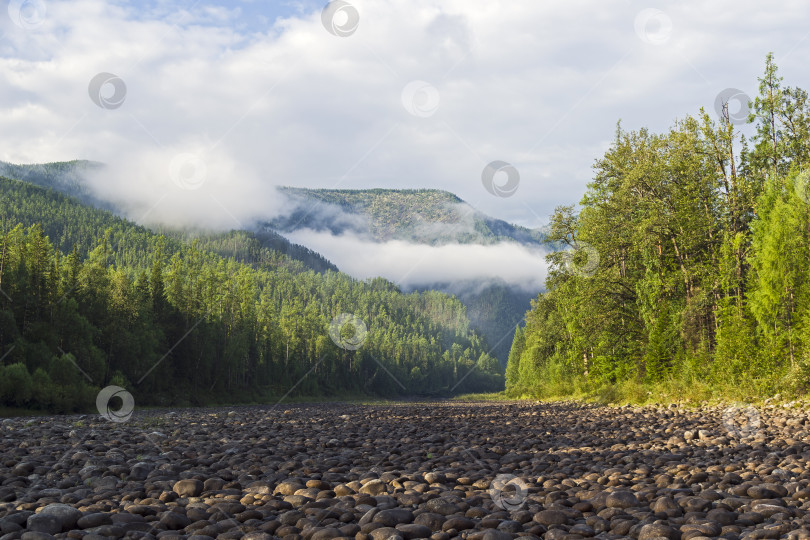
(411, 265)
(537, 84)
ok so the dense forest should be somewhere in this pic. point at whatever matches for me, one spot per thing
(88, 299)
(687, 268)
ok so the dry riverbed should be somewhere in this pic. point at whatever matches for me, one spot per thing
(490, 471)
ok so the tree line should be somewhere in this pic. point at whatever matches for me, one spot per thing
(685, 268)
(88, 299)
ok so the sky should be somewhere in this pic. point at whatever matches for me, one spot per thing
(201, 107)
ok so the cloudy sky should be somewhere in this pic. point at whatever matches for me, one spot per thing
(200, 107)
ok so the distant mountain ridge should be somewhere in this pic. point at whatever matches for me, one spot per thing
(424, 216)
(63, 176)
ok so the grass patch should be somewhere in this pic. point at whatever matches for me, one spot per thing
(489, 396)
(689, 392)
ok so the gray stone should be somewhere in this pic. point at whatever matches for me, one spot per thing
(621, 499)
(174, 521)
(550, 517)
(658, 530)
(35, 535)
(393, 517)
(668, 506)
(494, 534)
(386, 533)
(458, 523)
(430, 520)
(94, 520)
(414, 530)
(44, 523)
(66, 514)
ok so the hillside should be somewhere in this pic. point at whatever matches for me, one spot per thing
(427, 216)
(68, 177)
(174, 323)
(63, 176)
(424, 216)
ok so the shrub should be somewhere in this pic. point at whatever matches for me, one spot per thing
(16, 386)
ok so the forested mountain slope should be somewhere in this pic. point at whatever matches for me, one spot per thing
(69, 177)
(90, 299)
(428, 216)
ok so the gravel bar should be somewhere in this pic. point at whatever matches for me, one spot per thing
(444, 470)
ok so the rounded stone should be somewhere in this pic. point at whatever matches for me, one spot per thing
(66, 514)
(174, 521)
(658, 530)
(622, 499)
(550, 517)
(189, 487)
(393, 517)
(414, 530)
(44, 523)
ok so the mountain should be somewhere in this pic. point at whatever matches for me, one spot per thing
(426, 216)
(423, 216)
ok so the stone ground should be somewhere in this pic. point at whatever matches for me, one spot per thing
(480, 471)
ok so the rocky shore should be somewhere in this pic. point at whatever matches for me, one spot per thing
(480, 471)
